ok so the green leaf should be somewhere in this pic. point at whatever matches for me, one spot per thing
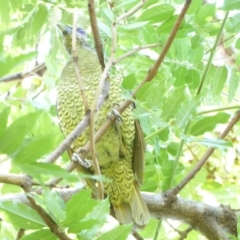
(167, 26)
(233, 85)
(129, 81)
(172, 103)
(186, 111)
(20, 215)
(219, 80)
(4, 12)
(152, 93)
(88, 229)
(79, 206)
(208, 124)
(233, 25)
(196, 41)
(205, 13)
(216, 143)
(193, 79)
(39, 169)
(237, 44)
(37, 148)
(179, 74)
(4, 120)
(134, 25)
(45, 234)
(16, 4)
(173, 148)
(196, 55)
(194, 6)
(9, 141)
(52, 203)
(118, 233)
(231, 5)
(10, 63)
(157, 13)
(39, 19)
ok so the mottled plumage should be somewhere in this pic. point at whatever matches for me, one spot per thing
(117, 155)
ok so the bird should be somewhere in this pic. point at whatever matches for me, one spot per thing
(120, 151)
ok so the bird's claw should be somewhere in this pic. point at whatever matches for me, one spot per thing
(83, 162)
(114, 113)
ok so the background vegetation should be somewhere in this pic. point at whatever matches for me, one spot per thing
(183, 110)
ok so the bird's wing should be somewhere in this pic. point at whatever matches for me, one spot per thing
(138, 152)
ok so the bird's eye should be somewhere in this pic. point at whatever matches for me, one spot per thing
(81, 31)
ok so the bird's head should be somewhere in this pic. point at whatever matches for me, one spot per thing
(81, 36)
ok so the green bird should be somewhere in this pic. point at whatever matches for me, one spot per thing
(120, 151)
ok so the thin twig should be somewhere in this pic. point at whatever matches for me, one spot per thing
(204, 158)
(131, 11)
(153, 71)
(212, 55)
(135, 51)
(27, 187)
(96, 36)
(85, 122)
(38, 70)
(20, 233)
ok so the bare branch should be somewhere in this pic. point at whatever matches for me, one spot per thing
(38, 70)
(153, 70)
(96, 36)
(204, 158)
(213, 222)
(135, 51)
(131, 11)
(45, 217)
(15, 179)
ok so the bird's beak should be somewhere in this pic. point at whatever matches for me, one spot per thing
(64, 28)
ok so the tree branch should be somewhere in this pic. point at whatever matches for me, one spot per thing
(213, 222)
(204, 158)
(96, 36)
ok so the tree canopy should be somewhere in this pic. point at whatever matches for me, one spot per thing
(179, 63)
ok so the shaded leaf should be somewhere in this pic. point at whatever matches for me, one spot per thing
(208, 124)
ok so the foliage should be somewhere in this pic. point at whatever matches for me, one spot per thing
(182, 111)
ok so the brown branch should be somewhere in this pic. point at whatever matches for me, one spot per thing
(153, 71)
(213, 222)
(85, 122)
(38, 70)
(131, 11)
(135, 51)
(96, 36)
(20, 233)
(204, 158)
(45, 217)
(15, 179)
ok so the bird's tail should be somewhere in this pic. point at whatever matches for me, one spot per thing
(135, 211)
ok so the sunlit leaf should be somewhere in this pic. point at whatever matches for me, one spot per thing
(205, 13)
(158, 13)
(186, 111)
(118, 233)
(20, 215)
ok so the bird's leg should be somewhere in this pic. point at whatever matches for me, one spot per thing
(79, 157)
(118, 124)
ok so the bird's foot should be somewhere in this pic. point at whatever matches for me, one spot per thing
(115, 114)
(83, 162)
